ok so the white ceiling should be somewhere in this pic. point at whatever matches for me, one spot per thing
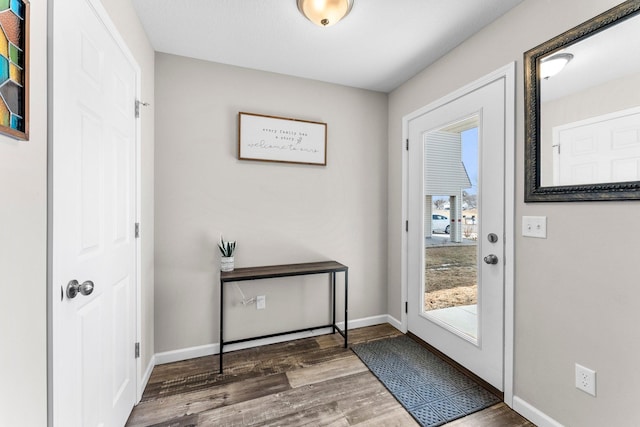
(378, 46)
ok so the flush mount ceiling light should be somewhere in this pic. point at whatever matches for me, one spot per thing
(325, 13)
(553, 64)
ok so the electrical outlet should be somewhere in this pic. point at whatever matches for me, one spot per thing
(586, 379)
(261, 302)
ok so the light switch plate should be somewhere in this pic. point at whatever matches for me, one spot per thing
(534, 226)
(261, 302)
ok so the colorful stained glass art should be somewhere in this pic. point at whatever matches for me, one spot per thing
(14, 74)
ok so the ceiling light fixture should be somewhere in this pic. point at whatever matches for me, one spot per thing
(325, 13)
(552, 65)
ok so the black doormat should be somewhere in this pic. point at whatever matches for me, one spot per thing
(433, 391)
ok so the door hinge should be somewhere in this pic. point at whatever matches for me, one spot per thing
(406, 306)
(407, 144)
(406, 226)
(137, 350)
(138, 104)
(137, 230)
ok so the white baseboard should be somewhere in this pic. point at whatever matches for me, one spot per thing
(210, 349)
(145, 377)
(394, 322)
(365, 321)
(533, 414)
(186, 353)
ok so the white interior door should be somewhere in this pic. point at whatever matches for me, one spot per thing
(471, 333)
(92, 219)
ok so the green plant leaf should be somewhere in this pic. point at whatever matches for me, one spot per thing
(226, 248)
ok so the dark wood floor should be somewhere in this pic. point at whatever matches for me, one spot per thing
(307, 382)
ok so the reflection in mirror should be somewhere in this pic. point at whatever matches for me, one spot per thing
(589, 109)
(582, 111)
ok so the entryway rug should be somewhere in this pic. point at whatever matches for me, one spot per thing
(433, 391)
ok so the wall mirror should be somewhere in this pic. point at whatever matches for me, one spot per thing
(582, 111)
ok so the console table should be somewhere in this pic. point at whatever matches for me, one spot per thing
(273, 271)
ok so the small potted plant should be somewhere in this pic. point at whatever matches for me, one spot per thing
(226, 250)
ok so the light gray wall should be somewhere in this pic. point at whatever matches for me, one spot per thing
(576, 291)
(126, 20)
(278, 213)
(23, 251)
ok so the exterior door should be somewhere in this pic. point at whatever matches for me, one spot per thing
(456, 163)
(92, 214)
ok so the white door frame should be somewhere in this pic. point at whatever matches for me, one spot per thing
(53, 291)
(508, 73)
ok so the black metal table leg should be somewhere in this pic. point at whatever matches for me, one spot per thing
(221, 322)
(346, 305)
(333, 296)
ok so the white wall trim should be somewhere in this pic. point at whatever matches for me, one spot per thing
(366, 321)
(404, 243)
(509, 229)
(533, 414)
(395, 323)
(186, 353)
(211, 349)
(144, 380)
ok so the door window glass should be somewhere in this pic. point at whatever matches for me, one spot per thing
(451, 232)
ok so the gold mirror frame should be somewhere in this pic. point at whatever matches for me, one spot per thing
(534, 192)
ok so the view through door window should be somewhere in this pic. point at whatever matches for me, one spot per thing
(451, 225)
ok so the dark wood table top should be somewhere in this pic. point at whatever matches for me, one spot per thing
(271, 271)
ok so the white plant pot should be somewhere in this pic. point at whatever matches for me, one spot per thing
(226, 263)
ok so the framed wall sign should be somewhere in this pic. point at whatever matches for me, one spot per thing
(14, 68)
(280, 139)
